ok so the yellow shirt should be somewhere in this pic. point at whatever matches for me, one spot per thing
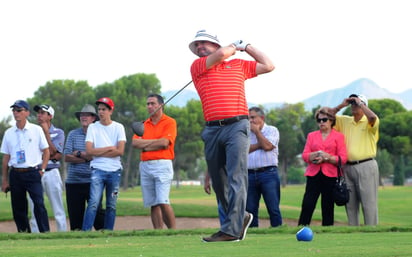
(361, 138)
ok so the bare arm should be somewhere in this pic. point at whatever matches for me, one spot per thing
(151, 144)
(220, 55)
(108, 151)
(264, 64)
(263, 143)
(5, 172)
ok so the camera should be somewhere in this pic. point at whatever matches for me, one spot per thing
(352, 102)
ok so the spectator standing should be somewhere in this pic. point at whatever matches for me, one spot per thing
(156, 166)
(263, 168)
(220, 85)
(322, 151)
(26, 153)
(105, 142)
(51, 179)
(361, 132)
(79, 172)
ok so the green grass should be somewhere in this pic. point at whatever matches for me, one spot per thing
(390, 238)
(395, 204)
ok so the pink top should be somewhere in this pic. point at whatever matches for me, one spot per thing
(334, 145)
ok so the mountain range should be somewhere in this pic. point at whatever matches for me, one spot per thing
(331, 97)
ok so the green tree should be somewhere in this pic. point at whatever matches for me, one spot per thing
(288, 120)
(66, 97)
(189, 145)
(385, 164)
(399, 176)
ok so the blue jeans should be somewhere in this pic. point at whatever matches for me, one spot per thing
(267, 184)
(100, 180)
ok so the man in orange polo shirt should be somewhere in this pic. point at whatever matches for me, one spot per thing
(220, 83)
(156, 167)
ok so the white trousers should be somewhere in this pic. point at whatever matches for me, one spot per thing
(53, 187)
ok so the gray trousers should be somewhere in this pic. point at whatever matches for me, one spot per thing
(363, 182)
(226, 152)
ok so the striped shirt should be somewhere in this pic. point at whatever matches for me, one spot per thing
(77, 173)
(261, 158)
(221, 88)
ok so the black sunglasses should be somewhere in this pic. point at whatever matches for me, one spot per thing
(18, 110)
(323, 120)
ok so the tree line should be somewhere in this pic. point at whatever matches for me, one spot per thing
(129, 94)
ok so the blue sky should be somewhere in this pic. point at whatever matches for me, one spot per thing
(315, 45)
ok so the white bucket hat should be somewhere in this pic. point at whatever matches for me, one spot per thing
(203, 35)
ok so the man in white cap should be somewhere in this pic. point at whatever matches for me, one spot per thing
(51, 179)
(220, 85)
(361, 132)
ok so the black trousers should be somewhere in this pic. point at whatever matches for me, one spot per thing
(316, 186)
(77, 196)
(22, 183)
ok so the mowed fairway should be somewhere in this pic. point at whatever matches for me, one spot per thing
(393, 237)
(272, 244)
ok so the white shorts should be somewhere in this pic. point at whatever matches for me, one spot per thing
(156, 178)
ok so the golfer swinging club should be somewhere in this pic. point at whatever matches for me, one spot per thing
(220, 85)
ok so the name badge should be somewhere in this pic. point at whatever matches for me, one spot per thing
(21, 156)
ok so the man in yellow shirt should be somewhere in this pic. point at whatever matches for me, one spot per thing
(361, 132)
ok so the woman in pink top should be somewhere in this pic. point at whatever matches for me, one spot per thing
(322, 150)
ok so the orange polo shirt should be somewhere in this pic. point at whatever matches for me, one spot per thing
(165, 128)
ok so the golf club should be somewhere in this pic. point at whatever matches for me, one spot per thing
(138, 127)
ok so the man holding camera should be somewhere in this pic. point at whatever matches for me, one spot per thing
(361, 132)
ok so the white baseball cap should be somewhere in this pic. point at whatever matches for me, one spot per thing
(361, 97)
(44, 107)
(203, 35)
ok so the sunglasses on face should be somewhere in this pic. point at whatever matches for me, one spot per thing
(322, 120)
(18, 110)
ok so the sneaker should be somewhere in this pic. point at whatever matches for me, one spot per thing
(220, 237)
(246, 223)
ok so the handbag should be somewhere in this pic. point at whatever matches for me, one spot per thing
(340, 190)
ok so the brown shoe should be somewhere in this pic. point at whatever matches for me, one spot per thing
(220, 237)
(246, 223)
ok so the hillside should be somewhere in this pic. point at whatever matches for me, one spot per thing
(328, 98)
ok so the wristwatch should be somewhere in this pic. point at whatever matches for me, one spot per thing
(79, 154)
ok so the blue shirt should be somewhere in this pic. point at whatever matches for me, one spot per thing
(57, 138)
(77, 173)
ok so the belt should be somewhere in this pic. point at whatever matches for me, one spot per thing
(360, 161)
(228, 121)
(262, 169)
(24, 169)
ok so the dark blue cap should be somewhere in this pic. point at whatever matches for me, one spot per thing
(21, 104)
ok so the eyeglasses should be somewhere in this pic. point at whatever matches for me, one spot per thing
(322, 120)
(18, 110)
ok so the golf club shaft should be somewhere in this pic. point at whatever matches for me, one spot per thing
(168, 100)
